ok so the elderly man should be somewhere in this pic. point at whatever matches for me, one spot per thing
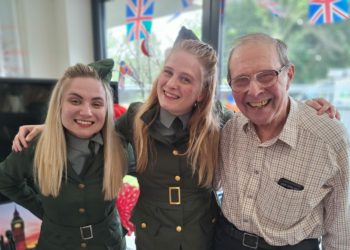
(285, 170)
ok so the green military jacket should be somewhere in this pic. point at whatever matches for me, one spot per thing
(172, 211)
(66, 219)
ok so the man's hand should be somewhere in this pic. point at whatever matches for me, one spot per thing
(25, 134)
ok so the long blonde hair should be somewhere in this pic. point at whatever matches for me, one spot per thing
(204, 124)
(50, 160)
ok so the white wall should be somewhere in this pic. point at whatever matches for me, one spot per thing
(54, 35)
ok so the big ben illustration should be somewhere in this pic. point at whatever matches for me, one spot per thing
(17, 226)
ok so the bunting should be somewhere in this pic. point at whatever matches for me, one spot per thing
(184, 5)
(272, 7)
(126, 70)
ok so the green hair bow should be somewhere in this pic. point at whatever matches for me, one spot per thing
(104, 69)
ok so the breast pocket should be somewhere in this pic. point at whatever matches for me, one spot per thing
(279, 206)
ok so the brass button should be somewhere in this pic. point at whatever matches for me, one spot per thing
(213, 220)
(175, 152)
(178, 229)
(177, 178)
(81, 186)
(81, 210)
(83, 245)
(143, 225)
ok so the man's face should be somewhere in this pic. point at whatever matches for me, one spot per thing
(266, 107)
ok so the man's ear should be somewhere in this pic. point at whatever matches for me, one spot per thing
(290, 75)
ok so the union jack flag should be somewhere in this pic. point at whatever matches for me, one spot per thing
(139, 18)
(327, 11)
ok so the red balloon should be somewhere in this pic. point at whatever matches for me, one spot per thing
(145, 48)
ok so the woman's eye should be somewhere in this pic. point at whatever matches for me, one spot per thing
(185, 80)
(97, 104)
(74, 101)
(167, 72)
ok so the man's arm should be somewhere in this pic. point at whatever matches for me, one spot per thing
(337, 204)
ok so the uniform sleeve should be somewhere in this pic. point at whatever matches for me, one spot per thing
(131, 161)
(337, 205)
(124, 126)
(224, 113)
(17, 183)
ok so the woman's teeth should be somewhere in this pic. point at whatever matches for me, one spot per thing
(170, 95)
(84, 122)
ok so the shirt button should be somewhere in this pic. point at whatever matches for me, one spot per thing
(256, 172)
(81, 210)
(143, 225)
(81, 186)
(178, 229)
(250, 197)
(245, 221)
(175, 152)
(83, 245)
(177, 178)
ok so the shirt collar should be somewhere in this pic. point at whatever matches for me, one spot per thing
(79, 143)
(289, 133)
(97, 138)
(167, 118)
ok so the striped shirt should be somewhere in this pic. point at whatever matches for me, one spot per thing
(311, 150)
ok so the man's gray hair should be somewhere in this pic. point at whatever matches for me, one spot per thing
(281, 47)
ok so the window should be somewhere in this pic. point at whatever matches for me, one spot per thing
(40, 39)
(320, 53)
(141, 59)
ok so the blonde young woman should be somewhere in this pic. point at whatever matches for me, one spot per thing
(70, 176)
(175, 164)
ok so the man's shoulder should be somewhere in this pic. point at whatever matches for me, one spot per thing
(234, 124)
(321, 126)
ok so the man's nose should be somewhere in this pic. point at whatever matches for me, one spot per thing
(254, 88)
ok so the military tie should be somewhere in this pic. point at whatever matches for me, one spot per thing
(177, 126)
(92, 148)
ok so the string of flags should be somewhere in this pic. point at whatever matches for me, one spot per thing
(139, 17)
(319, 11)
(139, 13)
(184, 5)
(272, 7)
